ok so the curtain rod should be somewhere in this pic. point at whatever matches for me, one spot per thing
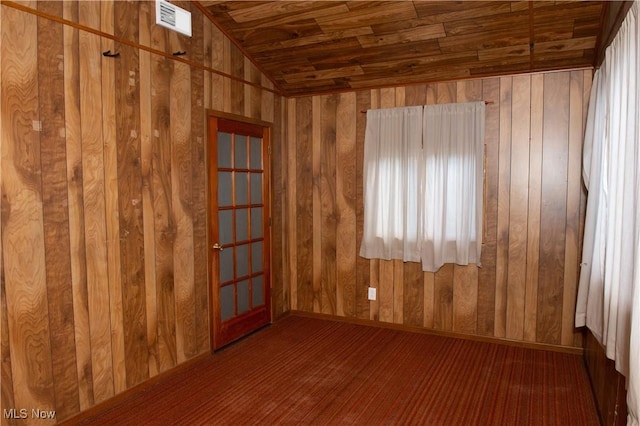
(485, 102)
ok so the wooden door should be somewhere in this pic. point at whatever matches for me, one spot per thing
(238, 228)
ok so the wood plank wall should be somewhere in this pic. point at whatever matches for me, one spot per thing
(609, 388)
(104, 275)
(534, 203)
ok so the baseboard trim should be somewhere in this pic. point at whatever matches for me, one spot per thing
(402, 327)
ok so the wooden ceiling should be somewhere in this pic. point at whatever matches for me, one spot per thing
(309, 47)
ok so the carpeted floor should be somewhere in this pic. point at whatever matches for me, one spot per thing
(303, 371)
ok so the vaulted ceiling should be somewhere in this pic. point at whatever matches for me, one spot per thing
(310, 47)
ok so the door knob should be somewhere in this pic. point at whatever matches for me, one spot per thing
(217, 246)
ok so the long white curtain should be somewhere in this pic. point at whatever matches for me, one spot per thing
(609, 288)
(392, 168)
(452, 205)
(423, 184)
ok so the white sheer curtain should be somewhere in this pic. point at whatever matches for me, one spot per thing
(392, 168)
(452, 206)
(609, 288)
(423, 184)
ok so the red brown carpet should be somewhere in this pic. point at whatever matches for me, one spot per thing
(303, 371)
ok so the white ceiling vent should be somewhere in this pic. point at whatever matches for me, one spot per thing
(173, 17)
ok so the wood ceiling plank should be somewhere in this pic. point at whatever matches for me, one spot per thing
(324, 74)
(329, 48)
(298, 9)
(365, 17)
(584, 27)
(495, 69)
(329, 9)
(422, 63)
(311, 40)
(409, 51)
(497, 24)
(493, 40)
(518, 6)
(565, 45)
(431, 76)
(274, 34)
(425, 32)
(453, 11)
(520, 51)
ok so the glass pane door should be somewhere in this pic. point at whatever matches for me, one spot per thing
(239, 230)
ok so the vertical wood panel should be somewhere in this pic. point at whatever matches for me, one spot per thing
(291, 197)
(23, 251)
(518, 199)
(105, 15)
(304, 205)
(227, 101)
(504, 176)
(269, 102)
(385, 290)
(429, 283)
(487, 274)
(183, 265)
(252, 94)
(146, 159)
(279, 170)
(218, 84)
(198, 189)
(96, 235)
(164, 224)
(127, 89)
(207, 60)
(465, 296)
(398, 291)
(346, 205)
(316, 215)
(533, 231)
(76, 213)
(55, 210)
(327, 182)
(363, 102)
(443, 298)
(236, 97)
(553, 207)
(413, 295)
(6, 381)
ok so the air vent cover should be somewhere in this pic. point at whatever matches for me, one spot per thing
(173, 17)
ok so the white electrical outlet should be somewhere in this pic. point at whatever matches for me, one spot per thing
(372, 293)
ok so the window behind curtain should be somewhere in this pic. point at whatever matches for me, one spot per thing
(423, 184)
